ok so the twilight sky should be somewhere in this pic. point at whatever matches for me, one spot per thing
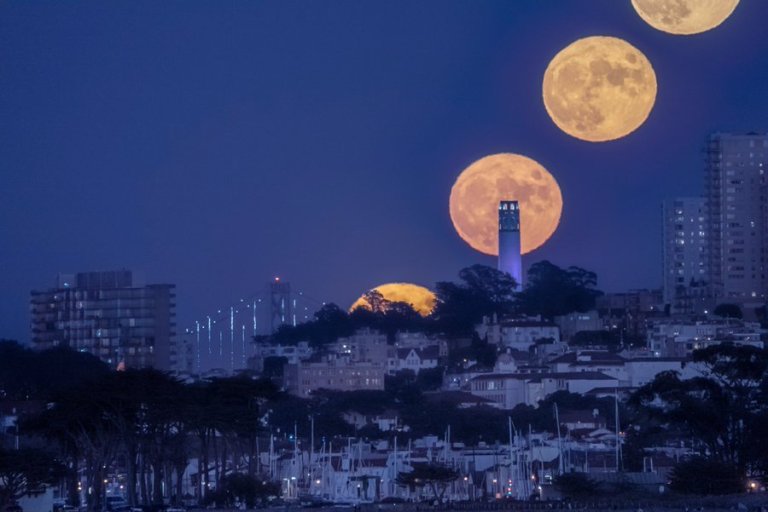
(216, 144)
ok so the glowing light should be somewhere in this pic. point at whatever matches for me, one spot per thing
(474, 201)
(599, 89)
(421, 299)
(684, 17)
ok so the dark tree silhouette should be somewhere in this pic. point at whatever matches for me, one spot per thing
(484, 291)
(479, 350)
(26, 374)
(610, 339)
(330, 322)
(552, 291)
(723, 411)
(575, 485)
(244, 489)
(274, 367)
(375, 301)
(728, 311)
(26, 471)
(77, 421)
(705, 477)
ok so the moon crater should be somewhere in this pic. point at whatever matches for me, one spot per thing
(684, 17)
(599, 88)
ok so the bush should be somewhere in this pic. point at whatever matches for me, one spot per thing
(241, 488)
(705, 477)
(575, 485)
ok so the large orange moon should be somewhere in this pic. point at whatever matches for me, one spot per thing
(474, 202)
(599, 88)
(421, 299)
(684, 17)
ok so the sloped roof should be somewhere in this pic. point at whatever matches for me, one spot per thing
(595, 355)
(611, 390)
(494, 376)
(429, 352)
(577, 376)
(527, 323)
(593, 363)
(637, 478)
(547, 375)
(456, 397)
(659, 359)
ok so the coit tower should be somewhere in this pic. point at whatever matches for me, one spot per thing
(510, 260)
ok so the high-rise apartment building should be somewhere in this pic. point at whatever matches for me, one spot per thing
(735, 189)
(685, 254)
(110, 315)
(510, 260)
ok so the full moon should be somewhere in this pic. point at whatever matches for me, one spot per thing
(421, 299)
(599, 88)
(474, 202)
(684, 17)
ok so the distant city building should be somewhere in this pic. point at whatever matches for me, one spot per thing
(685, 254)
(631, 372)
(334, 372)
(358, 362)
(508, 390)
(679, 339)
(183, 356)
(291, 353)
(510, 259)
(633, 302)
(716, 248)
(110, 315)
(421, 340)
(628, 312)
(366, 351)
(520, 334)
(414, 359)
(364, 345)
(595, 372)
(737, 198)
(575, 322)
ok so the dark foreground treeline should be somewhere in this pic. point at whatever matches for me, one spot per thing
(79, 418)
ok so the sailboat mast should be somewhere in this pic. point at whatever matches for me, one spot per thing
(618, 438)
(394, 477)
(271, 456)
(559, 441)
(312, 440)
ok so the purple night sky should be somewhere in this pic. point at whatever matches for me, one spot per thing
(216, 144)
